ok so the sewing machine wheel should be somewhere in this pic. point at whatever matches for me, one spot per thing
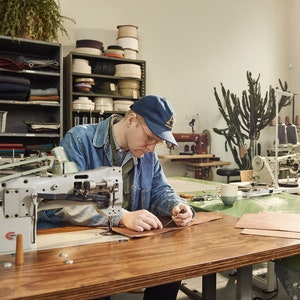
(257, 163)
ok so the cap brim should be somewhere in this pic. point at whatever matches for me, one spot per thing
(161, 132)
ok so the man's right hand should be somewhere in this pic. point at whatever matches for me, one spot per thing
(140, 220)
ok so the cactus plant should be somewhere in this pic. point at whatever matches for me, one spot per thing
(245, 118)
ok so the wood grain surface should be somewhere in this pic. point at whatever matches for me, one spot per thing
(114, 267)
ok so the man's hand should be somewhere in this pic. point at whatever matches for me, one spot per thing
(182, 214)
(140, 220)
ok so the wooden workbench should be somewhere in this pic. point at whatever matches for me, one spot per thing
(109, 268)
(201, 164)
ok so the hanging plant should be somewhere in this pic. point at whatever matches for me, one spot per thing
(34, 19)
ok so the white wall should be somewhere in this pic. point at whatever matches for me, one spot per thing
(192, 46)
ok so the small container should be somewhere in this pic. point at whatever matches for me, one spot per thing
(122, 105)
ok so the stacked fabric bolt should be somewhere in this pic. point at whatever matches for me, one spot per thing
(122, 105)
(129, 88)
(103, 103)
(89, 47)
(104, 68)
(14, 88)
(107, 88)
(81, 66)
(49, 94)
(128, 39)
(84, 85)
(83, 103)
(128, 70)
(114, 51)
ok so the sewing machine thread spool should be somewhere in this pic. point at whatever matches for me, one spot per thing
(292, 135)
(19, 250)
(282, 133)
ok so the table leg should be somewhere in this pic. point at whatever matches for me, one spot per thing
(244, 283)
(209, 287)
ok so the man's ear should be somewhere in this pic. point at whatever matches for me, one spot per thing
(132, 117)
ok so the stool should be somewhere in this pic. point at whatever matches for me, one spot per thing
(228, 173)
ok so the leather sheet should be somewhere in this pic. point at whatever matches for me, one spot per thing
(200, 217)
(277, 224)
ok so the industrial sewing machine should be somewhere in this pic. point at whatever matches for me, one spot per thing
(288, 171)
(24, 193)
(199, 142)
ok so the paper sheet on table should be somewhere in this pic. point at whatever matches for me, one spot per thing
(189, 186)
(200, 217)
(270, 221)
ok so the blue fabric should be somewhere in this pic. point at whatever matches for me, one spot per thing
(89, 147)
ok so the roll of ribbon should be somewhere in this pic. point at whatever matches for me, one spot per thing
(127, 31)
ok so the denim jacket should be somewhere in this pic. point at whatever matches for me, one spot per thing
(89, 147)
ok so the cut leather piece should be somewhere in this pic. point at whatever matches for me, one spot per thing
(200, 217)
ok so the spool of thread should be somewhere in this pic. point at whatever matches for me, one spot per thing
(279, 120)
(19, 250)
(287, 120)
(291, 133)
(282, 133)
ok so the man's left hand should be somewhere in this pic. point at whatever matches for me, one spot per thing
(182, 214)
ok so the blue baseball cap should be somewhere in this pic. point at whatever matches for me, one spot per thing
(158, 115)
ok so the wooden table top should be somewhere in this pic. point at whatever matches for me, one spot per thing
(218, 163)
(114, 267)
(185, 157)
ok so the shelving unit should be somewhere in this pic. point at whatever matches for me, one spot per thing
(70, 94)
(21, 113)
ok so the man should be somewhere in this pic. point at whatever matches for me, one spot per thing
(130, 142)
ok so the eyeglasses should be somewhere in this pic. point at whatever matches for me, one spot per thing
(150, 141)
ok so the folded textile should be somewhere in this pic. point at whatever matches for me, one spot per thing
(44, 92)
(10, 64)
(12, 87)
(14, 79)
(14, 96)
(37, 63)
(44, 98)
